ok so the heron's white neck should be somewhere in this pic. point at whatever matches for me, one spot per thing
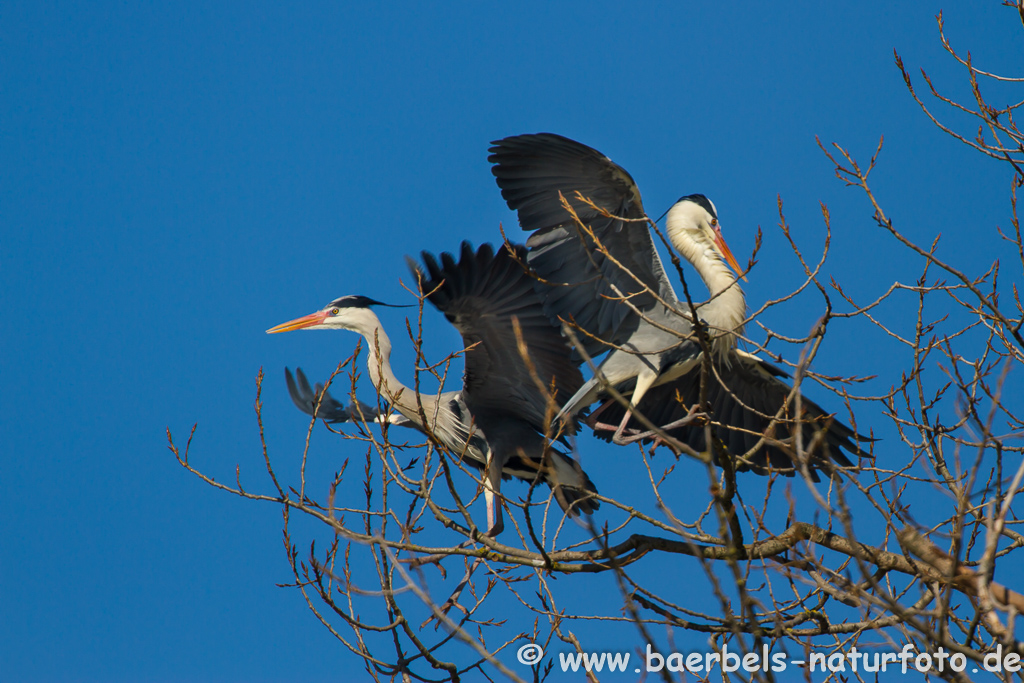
(727, 309)
(378, 362)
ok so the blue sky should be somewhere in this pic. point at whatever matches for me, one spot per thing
(178, 179)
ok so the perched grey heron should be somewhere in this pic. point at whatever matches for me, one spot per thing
(497, 421)
(612, 287)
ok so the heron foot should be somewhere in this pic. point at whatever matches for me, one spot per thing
(624, 436)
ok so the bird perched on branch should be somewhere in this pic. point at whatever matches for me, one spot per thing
(590, 239)
(497, 421)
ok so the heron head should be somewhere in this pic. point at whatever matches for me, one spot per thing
(346, 313)
(692, 225)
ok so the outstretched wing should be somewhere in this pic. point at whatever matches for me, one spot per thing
(743, 403)
(331, 410)
(531, 171)
(481, 295)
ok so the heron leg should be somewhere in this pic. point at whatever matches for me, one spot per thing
(591, 420)
(492, 497)
(643, 382)
(693, 415)
(605, 426)
(617, 437)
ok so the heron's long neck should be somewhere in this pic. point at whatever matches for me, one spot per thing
(727, 309)
(378, 362)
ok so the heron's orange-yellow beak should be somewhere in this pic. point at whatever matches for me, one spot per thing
(727, 253)
(300, 323)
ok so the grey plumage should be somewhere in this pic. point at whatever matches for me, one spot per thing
(496, 421)
(745, 402)
(480, 295)
(651, 351)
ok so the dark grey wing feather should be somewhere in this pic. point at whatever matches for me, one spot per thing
(531, 171)
(756, 384)
(304, 397)
(480, 295)
(331, 410)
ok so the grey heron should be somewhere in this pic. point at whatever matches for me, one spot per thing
(613, 288)
(497, 421)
